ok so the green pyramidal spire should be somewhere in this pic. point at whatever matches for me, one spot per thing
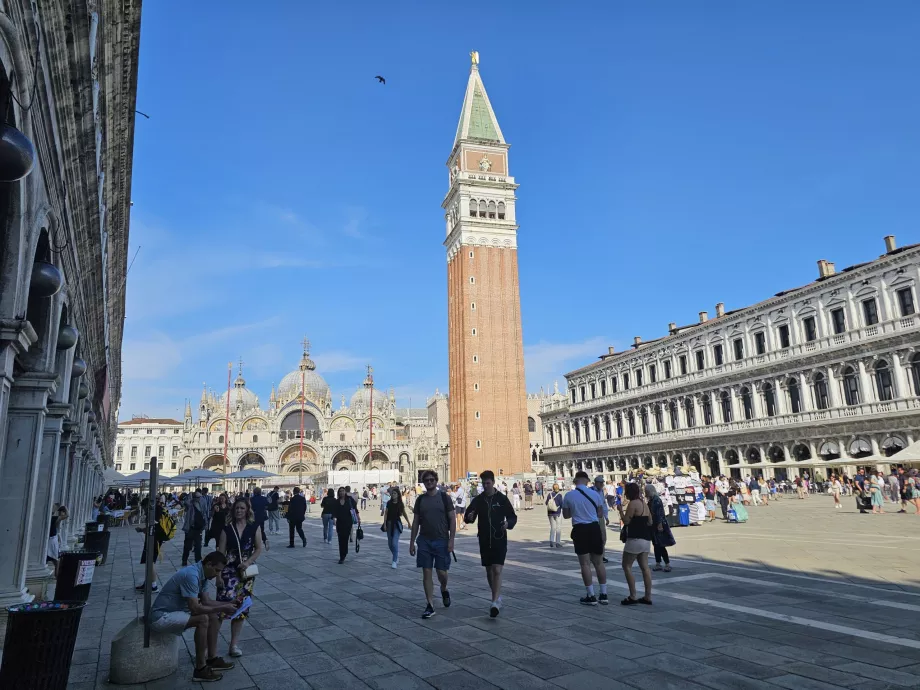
(477, 119)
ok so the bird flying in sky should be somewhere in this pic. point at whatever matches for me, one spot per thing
(380, 79)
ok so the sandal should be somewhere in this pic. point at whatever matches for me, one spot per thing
(628, 601)
(644, 600)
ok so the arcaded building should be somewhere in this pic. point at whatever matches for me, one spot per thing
(817, 377)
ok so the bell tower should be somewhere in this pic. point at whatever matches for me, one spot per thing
(488, 401)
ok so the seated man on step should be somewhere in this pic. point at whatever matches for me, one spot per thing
(186, 602)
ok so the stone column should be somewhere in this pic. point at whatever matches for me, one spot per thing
(805, 393)
(901, 381)
(757, 403)
(779, 396)
(833, 395)
(37, 570)
(867, 390)
(20, 468)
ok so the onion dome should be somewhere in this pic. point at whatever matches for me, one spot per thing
(314, 387)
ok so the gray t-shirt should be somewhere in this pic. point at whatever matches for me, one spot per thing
(187, 583)
(431, 518)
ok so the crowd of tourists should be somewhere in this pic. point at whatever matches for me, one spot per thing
(641, 509)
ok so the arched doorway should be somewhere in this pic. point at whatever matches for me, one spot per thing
(379, 461)
(694, 459)
(252, 460)
(712, 457)
(829, 450)
(801, 452)
(292, 461)
(215, 463)
(344, 460)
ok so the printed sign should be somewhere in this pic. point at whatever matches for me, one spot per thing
(100, 528)
(85, 572)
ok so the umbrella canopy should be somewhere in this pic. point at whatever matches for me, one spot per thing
(144, 476)
(199, 475)
(110, 476)
(248, 474)
(909, 454)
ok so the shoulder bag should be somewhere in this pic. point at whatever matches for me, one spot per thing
(253, 569)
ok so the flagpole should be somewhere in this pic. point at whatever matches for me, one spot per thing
(370, 439)
(227, 420)
(302, 396)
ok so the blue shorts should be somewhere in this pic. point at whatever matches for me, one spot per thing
(432, 553)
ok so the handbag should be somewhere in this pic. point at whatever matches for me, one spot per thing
(359, 533)
(253, 569)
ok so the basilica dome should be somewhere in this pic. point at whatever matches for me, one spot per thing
(362, 398)
(314, 385)
(241, 394)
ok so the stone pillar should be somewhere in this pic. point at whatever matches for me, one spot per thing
(901, 382)
(779, 396)
(20, 468)
(805, 393)
(757, 403)
(832, 394)
(867, 390)
(37, 570)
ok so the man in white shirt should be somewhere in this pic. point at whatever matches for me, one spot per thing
(722, 487)
(586, 510)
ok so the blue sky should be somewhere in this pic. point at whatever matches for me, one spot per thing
(671, 155)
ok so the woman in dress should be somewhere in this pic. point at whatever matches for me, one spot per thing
(241, 542)
(345, 514)
(737, 505)
(836, 490)
(912, 491)
(764, 491)
(516, 496)
(392, 523)
(709, 496)
(875, 496)
(662, 537)
(638, 523)
(219, 512)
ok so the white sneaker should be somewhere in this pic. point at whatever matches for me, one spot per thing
(393, 565)
(235, 650)
(495, 608)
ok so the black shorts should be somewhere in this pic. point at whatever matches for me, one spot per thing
(587, 538)
(493, 552)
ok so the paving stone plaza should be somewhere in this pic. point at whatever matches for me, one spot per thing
(800, 597)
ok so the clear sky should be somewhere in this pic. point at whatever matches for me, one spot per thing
(670, 155)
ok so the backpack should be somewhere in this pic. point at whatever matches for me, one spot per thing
(166, 528)
(448, 506)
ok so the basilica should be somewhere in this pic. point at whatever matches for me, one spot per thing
(301, 434)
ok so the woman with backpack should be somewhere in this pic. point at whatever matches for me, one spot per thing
(554, 513)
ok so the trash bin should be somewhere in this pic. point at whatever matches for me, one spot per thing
(99, 542)
(75, 575)
(40, 638)
(104, 519)
(94, 527)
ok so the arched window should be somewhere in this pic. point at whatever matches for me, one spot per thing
(473, 207)
(501, 210)
(492, 210)
(220, 439)
(672, 412)
(822, 401)
(725, 400)
(482, 208)
(659, 419)
(632, 423)
(613, 381)
(707, 410)
(747, 403)
(619, 425)
(552, 437)
(626, 381)
(795, 395)
(255, 438)
(607, 425)
(883, 381)
(769, 399)
(850, 386)
(577, 432)
(690, 412)
(915, 372)
(597, 429)
(531, 425)
(603, 387)
(643, 418)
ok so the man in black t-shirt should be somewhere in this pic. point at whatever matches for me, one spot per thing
(274, 511)
(495, 516)
(434, 524)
